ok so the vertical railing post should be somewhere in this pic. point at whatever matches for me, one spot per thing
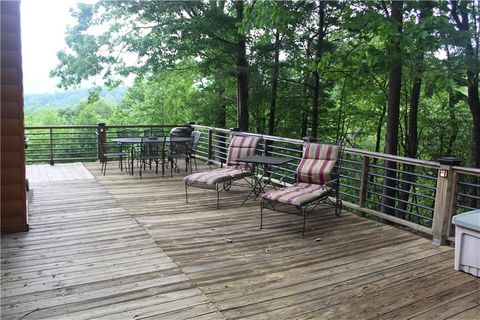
(209, 146)
(453, 203)
(362, 193)
(102, 138)
(444, 199)
(52, 161)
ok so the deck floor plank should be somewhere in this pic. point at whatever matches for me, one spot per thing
(85, 257)
(273, 273)
(117, 247)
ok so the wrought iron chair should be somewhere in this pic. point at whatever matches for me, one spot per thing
(180, 150)
(128, 133)
(221, 179)
(317, 181)
(111, 151)
(193, 153)
(150, 152)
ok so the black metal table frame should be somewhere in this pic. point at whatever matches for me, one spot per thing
(267, 162)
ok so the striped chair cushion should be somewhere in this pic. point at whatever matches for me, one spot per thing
(298, 194)
(215, 176)
(317, 163)
(241, 146)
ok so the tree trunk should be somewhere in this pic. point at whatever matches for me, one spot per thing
(412, 136)
(461, 16)
(242, 74)
(316, 73)
(273, 101)
(393, 113)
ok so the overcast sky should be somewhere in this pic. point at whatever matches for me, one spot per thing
(43, 24)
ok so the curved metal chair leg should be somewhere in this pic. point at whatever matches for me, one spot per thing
(186, 193)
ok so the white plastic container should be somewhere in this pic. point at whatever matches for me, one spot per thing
(467, 242)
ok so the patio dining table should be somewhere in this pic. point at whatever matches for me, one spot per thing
(138, 140)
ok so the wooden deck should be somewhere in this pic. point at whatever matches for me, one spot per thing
(118, 247)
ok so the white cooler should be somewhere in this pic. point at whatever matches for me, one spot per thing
(467, 242)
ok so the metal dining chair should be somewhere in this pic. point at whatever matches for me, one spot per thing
(180, 150)
(196, 139)
(111, 151)
(152, 150)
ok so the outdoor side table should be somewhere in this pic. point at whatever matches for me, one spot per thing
(268, 162)
(467, 242)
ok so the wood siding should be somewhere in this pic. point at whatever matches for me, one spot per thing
(13, 196)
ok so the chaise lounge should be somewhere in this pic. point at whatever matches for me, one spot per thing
(317, 180)
(221, 179)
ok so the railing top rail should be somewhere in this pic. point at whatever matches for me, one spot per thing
(108, 126)
(467, 170)
(63, 127)
(196, 126)
(384, 156)
(148, 126)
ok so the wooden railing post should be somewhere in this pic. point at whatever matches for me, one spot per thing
(52, 161)
(444, 199)
(362, 193)
(102, 138)
(209, 147)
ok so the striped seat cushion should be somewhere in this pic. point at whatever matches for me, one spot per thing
(216, 176)
(298, 194)
(318, 161)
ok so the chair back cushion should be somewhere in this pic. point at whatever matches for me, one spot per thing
(318, 161)
(241, 146)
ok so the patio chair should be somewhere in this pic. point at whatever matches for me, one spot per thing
(180, 150)
(221, 179)
(128, 133)
(193, 153)
(152, 150)
(317, 181)
(111, 151)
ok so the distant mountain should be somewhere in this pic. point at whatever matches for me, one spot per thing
(69, 98)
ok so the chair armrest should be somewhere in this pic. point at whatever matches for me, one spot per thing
(210, 163)
(293, 177)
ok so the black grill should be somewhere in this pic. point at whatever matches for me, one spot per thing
(181, 132)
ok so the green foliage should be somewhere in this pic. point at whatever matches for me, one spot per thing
(84, 113)
(184, 56)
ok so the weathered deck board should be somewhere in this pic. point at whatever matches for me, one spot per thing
(345, 268)
(85, 257)
(58, 172)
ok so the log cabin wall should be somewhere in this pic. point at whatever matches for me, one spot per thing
(13, 185)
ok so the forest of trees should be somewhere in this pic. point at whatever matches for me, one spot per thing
(393, 76)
